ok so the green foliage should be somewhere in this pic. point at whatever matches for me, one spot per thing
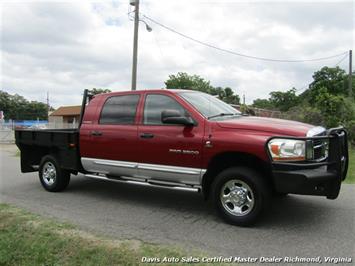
(263, 104)
(17, 107)
(283, 101)
(350, 126)
(350, 178)
(334, 80)
(279, 100)
(326, 102)
(329, 111)
(245, 109)
(188, 82)
(95, 91)
(305, 113)
(227, 95)
(330, 104)
(194, 82)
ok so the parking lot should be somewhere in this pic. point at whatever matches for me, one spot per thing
(294, 226)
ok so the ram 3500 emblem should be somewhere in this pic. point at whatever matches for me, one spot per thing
(184, 151)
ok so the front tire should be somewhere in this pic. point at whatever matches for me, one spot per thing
(52, 177)
(240, 195)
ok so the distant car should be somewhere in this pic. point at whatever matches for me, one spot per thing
(191, 140)
(38, 126)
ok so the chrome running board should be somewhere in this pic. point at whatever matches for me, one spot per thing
(147, 182)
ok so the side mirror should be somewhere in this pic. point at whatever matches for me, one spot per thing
(176, 118)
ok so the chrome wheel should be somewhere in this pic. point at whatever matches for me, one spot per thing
(237, 198)
(49, 173)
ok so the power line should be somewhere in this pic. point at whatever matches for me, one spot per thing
(307, 86)
(240, 54)
(341, 60)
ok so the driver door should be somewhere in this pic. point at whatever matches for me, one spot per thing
(168, 152)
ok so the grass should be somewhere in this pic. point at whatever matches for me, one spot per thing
(350, 179)
(28, 239)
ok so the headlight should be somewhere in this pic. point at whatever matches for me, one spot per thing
(287, 149)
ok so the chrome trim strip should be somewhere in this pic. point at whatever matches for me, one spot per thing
(315, 131)
(108, 167)
(114, 163)
(153, 172)
(170, 169)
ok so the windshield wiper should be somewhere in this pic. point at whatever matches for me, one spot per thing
(221, 114)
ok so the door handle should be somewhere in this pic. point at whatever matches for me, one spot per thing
(147, 135)
(96, 133)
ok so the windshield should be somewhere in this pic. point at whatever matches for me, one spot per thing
(209, 106)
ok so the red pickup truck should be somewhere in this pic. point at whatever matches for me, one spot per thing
(191, 140)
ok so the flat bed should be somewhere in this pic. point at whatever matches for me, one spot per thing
(62, 143)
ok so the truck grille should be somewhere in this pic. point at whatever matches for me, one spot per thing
(320, 148)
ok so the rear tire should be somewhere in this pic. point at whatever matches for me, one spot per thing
(240, 195)
(52, 177)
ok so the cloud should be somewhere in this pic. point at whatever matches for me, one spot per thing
(66, 47)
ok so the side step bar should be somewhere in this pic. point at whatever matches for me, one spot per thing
(147, 182)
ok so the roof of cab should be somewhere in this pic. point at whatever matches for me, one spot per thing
(169, 91)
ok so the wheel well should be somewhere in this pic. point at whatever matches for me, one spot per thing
(230, 159)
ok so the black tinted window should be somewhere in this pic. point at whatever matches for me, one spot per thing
(155, 104)
(119, 110)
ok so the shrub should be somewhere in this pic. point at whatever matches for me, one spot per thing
(306, 114)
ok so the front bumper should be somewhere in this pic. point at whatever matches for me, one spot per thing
(315, 178)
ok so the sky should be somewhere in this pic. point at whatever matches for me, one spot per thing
(65, 47)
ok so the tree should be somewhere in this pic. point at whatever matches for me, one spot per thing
(326, 102)
(185, 81)
(95, 91)
(336, 109)
(5, 102)
(334, 80)
(263, 104)
(279, 100)
(283, 101)
(17, 107)
(230, 97)
(188, 82)
(305, 113)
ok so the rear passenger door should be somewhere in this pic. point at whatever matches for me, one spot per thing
(111, 142)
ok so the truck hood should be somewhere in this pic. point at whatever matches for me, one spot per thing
(272, 125)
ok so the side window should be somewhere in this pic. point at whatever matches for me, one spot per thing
(119, 110)
(155, 104)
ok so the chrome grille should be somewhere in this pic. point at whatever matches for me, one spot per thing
(320, 149)
(320, 146)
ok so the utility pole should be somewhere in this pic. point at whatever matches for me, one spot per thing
(135, 3)
(47, 104)
(350, 73)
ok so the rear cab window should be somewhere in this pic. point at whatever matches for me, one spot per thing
(119, 110)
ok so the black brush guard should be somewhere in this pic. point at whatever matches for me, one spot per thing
(315, 178)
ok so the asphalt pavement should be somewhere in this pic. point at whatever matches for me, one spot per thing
(303, 226)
